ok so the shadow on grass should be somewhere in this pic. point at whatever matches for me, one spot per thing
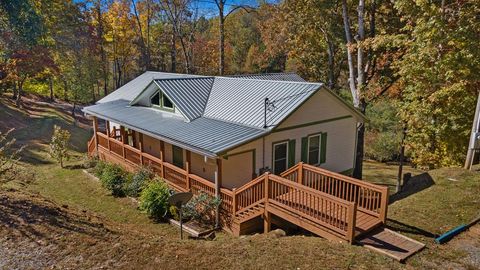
(34, 217)
(405, 228)
(416, 184)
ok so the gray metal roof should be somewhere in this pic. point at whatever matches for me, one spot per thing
(292, 77)
(133, 88)
(190, 95)
(220, 112)
(202, 135)
(242, 101)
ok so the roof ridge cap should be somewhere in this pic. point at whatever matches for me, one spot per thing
(264, 80)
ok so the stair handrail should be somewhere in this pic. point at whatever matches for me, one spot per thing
(257, 181)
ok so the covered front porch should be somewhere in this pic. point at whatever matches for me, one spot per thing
(121, 145)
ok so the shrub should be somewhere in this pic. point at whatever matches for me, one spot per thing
(9, 167)
(59, 145)
(137, 181)
(99, 167)
(202, 208)
(113, 178)
(154, 199)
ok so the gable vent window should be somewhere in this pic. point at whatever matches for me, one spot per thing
(166, 103)
(159, 100)
(156, 99)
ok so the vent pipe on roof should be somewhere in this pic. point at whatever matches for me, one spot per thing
(265, 113)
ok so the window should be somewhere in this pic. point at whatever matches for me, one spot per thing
(166, 103)
(314, 149)
(280, 154)
(161, 101)
(177, 156)
(155, 100)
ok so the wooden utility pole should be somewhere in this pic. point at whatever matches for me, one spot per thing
(473, 136)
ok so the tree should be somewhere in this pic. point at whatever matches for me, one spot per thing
(59, 145)
(439, 77)
(221, 25)
(9, 158)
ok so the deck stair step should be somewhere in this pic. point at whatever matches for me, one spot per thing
(250, 213)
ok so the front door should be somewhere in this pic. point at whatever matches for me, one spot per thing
(280, 154)
(177, 156)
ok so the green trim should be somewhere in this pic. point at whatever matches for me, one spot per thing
(254, 158)
(291, 153)
(323, 148)
(273, 153)
(304, 154)
(313, 123)
(161, 107)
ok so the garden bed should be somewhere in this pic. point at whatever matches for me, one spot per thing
(193, 227)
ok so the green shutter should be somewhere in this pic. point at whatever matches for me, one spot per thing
(291, 153)
(323, 148)
(304, 149)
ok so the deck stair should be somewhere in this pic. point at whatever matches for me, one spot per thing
(328, 204)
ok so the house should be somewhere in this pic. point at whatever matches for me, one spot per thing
(223, 135)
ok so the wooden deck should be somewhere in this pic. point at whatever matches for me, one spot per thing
(390, 243)
(328, 204)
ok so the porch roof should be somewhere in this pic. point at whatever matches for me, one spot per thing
(203, 135)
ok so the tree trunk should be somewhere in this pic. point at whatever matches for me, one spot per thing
(351, 69)
(400, 165)
(18, 101)
(331, 65)
(15, 91)
(221, 69)
(173, 52)
(50, 85)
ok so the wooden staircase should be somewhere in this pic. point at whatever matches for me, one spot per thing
(325, 203)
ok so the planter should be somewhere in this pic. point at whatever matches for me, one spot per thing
(192, 227)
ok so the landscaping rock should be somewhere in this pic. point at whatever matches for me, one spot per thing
(277, 233)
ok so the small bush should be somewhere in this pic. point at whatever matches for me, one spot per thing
(202, 208)
(113, 178)
(99, 167)
(137, 181)
(59, 145)
(154, 199)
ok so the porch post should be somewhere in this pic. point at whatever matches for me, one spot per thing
(108, 134)
(122, 136)
(187, 167)
(140, 146)
(218, 184)
(95, 130)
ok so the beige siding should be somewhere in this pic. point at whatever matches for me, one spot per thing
(151, 145)
(321, 108)
(237, 169)
(201, 168)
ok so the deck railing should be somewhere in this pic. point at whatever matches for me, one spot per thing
(325, 210)
(370, 198)
(177, 178)
(250, 194)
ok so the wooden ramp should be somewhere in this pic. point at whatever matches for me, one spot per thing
(390, 243)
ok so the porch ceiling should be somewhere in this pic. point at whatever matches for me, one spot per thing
(203, 135)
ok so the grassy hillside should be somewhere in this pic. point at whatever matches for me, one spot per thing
(66, 219)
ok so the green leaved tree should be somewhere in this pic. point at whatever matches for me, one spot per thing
(59, 145)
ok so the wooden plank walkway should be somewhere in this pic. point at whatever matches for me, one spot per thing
(364, 222)
(390, 243)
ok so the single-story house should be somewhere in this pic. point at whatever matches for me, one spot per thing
(220, 133)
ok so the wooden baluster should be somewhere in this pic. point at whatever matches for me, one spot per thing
(234, 201)
(300, 172)
(187, 177)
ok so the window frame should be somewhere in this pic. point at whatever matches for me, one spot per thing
(319, 135)
(285, 142)
(161, 105)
